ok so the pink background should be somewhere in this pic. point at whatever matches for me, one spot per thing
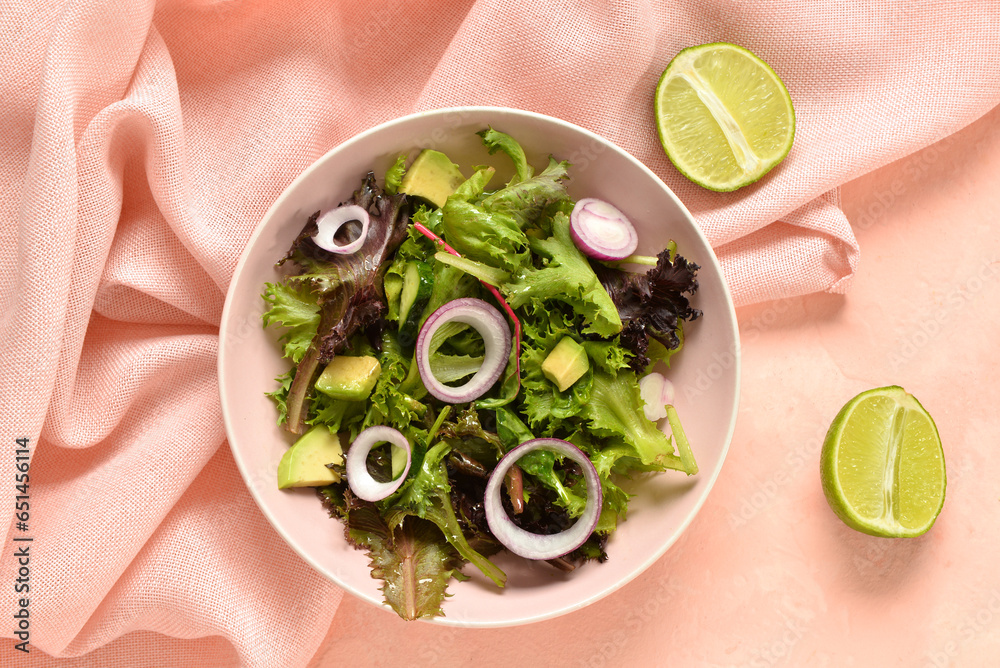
(142, 141)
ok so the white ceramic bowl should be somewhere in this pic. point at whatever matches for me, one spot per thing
(705, 373)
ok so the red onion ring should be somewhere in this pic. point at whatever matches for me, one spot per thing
(532, 545)
(601, 231)
(329, 222)
(361, 481)
(490, 324)
(492, 290)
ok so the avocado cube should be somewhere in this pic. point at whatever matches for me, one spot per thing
(432, 176)
(349, 378)
(305, 463)
(566, 364)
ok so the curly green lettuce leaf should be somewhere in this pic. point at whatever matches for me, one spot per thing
(413, 560)
(542, 226)
(389, 402)
(336, 414)
(479, 234)
(608, 356)
(495, 140)
(524, 201)
(280, 395)
(427, 495)
(605, 457)
(615, 506)
(489, 228)
(544, 405)
(295, 308)
(394, 175)
(565, 276)
(615, 411)
(429, 217)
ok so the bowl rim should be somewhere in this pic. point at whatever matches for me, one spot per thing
(642, 566)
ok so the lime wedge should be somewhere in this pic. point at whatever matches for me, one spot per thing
(724, 117)
(882, 465)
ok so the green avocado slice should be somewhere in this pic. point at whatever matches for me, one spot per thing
(349, 378)
(432, 176)
(305, 463)
(566, 364)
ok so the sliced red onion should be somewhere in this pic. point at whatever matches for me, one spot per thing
(532, 545)
(601, 231)
(656, 392)
(492, 290)
(490, 324)
(361, 481)
(332, 220)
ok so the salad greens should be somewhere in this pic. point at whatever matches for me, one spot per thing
(515, 238)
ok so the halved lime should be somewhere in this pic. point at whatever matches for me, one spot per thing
(882, 465)
(724, 117)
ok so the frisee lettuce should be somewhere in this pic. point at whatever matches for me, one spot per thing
(518, 239)
(426, 495)
(567, 276)
(412, 561)
(294, 308)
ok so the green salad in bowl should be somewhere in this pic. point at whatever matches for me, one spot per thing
(476, 377)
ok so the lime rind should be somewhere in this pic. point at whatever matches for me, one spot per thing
(839, 499)
(690, 166)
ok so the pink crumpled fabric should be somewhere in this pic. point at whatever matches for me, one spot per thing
(142, 141)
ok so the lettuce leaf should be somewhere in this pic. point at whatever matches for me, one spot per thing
(295, 308)
(346, 287)
(544, 405)
(566, 276)
(427, 496)
(490, 228)
(524, 201)
(480, 234)
(389, 403)
(280, 395)
(394, 175)
(413, 561)
(495, 141)
(336, 414)
(653, 305)
(615, 412)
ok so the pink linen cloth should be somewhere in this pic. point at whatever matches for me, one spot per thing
(143, 141)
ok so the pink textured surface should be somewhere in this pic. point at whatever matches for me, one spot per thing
(141, 142)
